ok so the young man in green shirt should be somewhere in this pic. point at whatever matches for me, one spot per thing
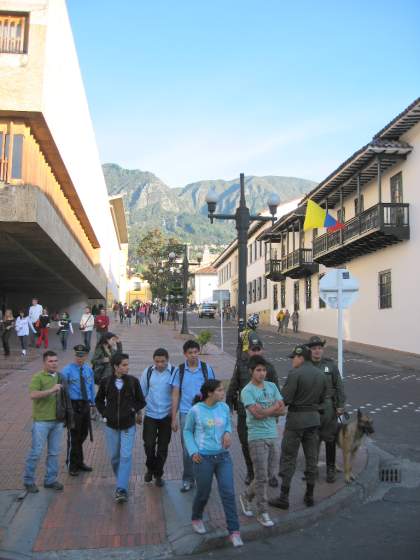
(44, 388)
(263, 403)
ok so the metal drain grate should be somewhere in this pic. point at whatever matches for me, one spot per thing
(390, 474)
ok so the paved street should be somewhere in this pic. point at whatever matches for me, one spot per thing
(389, 391)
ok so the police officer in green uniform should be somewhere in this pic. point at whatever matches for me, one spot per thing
(241, 377)
(304, 393)
(334, 401)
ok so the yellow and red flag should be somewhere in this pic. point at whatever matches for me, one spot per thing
(317, 217)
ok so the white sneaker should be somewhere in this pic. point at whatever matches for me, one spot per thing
(245, 505)
(265, 520)
(23, 352)
(235, 539)
(198, 527)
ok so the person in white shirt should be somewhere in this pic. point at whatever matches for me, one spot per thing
(23, 325)
(87, 322)
(35, 311)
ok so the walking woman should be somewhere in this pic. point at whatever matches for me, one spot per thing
(22, 326)
(65, 327)
(8, 324)
(43, 325)
(108, 346)
(207, 436)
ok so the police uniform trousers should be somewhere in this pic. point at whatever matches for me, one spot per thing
(78, 434)
(242, 430)
(292, 439)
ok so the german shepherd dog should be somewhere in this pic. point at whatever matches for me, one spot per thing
(349, 439)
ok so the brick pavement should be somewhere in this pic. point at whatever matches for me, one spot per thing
(85, 516)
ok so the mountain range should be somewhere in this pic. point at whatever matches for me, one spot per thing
(182, 212)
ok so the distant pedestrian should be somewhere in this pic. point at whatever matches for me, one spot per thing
(79, 378)
(43, 325)
(121, 313)
(87, 322)
(280, 321)
(108, 346)
(64, 330)
(8, 324)
(208, 436)
(286, 320)
(186, 384)
(263, 403)
(119, 400)
(156, 386)
(101, 324)
(148, 314)
(129, 314)
(23, 325)
(47, 429)
(34, 313)
(115, 309)
(295, 320)
(161, 314)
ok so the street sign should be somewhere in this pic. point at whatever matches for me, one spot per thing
(329, 288)
(339, 290)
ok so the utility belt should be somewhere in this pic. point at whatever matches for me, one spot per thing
(303, 408)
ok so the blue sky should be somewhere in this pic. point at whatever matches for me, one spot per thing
(206, 89)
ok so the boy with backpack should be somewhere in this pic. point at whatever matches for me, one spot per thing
(186, 384)
(155, 383)
(119, 400)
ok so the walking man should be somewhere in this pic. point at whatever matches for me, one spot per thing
(334, 402)
(35, 311)
(304, 393)
(155, 383)
(263, 403)
(119, 400)
(79, 378)
(101, 324)
(46, 429)
(240, 378)
(186, 384)
(295, 321)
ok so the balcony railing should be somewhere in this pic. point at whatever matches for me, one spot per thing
(387, 218)
(296, 264)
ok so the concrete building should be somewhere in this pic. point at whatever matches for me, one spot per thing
(375, 194)
(205, 281)
(259, 289)
(59, 238)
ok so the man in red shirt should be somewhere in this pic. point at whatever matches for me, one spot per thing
(101, 323)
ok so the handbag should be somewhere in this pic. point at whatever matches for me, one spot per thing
(82, 328)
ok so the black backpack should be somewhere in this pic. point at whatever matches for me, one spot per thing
(149, 375)
(181, 368)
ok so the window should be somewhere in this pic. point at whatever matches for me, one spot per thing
(283, 293)
(259, 284)
(13, 33)
(137, 287)
(397, 188)
(314, 233)
(322, 303)
(385, 291)
(356, 205)
(308, 292)
(249, 292)
(254, 290)
(255, 250)
(250, 254)
(275, 297)
(11, 152)
(264, 288)
(296, 295)
(341, 215)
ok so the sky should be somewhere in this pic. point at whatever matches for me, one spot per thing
(207, 89)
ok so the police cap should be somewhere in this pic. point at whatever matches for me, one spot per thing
(300, 350)
(81, 350)
(315, 341)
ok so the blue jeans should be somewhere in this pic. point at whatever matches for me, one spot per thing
(219, 465)
(50, 433)
(120, 445)
(63, 337)
(188, 473)
(87, 336)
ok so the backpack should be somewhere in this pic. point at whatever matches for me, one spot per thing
(63, 408)
(181, 369)
(149, 375)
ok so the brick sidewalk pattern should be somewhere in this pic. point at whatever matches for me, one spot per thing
(84, 515)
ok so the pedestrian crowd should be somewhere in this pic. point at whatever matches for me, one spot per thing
(188, 398)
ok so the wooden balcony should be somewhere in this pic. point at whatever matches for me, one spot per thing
(294, 265)
(377, 227)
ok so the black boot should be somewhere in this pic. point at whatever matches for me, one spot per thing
(249, 478)
(309, 495)
(282, 501)
(330, 459)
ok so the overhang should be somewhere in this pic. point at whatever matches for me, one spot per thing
(118, 216)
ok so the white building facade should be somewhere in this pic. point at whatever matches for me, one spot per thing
(205, 282)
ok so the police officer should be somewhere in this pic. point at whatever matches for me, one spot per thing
(79, 378)
(241, 377)
(334, 401)
(304, 393)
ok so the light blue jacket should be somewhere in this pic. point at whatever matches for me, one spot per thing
(204, 428)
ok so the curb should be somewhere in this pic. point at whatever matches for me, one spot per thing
(358, 491)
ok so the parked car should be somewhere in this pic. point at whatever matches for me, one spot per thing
(207, 310)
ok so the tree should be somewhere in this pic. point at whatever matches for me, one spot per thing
(153, 249)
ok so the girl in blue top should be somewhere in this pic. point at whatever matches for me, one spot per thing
(207, 436)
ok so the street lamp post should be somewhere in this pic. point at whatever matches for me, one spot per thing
(185, 275)
(243, 219)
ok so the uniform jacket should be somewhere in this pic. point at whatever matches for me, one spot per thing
(119, 407)
(335, 388)
(102, 352)
(304, 393)
(242, 377)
